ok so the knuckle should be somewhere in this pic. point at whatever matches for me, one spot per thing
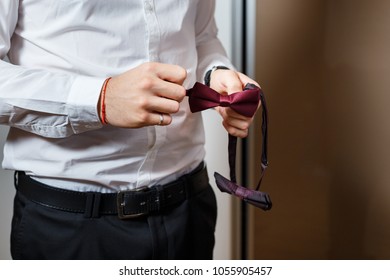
(150, 66)
(230, 129)
(181, 94)
(168, 119)
(143, 118)
(175, 107)
(244, 126)
(146, 83)
(244, 133)
(143, 102)
(238, 132)
(182, 73)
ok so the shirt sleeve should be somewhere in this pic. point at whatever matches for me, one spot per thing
(209, 47)
(48, 103)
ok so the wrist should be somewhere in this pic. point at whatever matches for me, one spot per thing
(207, 77)
(102, 102)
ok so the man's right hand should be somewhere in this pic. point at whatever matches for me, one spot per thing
(138, 97)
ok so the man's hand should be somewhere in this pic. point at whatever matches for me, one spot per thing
(139, 96)
(228, 82)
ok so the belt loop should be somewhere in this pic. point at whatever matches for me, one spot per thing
(159, 199)
(92, 205)
(96, 205)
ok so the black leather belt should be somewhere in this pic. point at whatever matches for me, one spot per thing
(125, 204)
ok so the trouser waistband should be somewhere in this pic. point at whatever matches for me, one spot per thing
(125, 204)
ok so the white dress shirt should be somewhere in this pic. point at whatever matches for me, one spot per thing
(61, 51)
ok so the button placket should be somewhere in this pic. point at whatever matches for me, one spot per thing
(148, 6)
(153, 30)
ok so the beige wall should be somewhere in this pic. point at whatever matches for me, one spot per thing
(324, 66)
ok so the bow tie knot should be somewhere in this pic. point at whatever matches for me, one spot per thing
(224, 101)
(202, 97)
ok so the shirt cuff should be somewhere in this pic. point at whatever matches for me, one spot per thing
(83, 101)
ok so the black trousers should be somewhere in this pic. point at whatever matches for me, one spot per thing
(184, 232)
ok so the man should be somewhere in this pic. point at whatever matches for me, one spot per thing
(110, 168)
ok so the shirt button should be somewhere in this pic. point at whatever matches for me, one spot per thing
(148, 7)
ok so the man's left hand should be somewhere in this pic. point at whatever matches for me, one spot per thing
(228, 82)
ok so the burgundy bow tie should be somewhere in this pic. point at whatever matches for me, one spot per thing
(202, 97)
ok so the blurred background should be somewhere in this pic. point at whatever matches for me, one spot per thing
(323, 65)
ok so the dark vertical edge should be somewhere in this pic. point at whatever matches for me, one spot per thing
(244, 146)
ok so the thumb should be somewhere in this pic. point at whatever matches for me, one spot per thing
(225, 81)
(245, 79)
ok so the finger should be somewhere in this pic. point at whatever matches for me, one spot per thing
(169, 72)
(166, 80)
(163, 105)
(156, 118)
(234, 85)
(229, 113)
(242, 133)
(235, 126)
(170, 90)
(237, 123)
(245, 79)
(163, 119)
(226, 81)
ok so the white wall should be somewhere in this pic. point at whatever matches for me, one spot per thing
(6, 202)
(7, 193)
(216, 158)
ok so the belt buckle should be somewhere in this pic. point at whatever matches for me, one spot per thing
(120, 204)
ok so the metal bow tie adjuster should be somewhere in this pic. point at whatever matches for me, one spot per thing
(202, 97)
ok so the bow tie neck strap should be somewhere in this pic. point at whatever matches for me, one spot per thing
(259, 199)
(246, 102)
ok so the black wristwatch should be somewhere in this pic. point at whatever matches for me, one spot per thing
(208, 74)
